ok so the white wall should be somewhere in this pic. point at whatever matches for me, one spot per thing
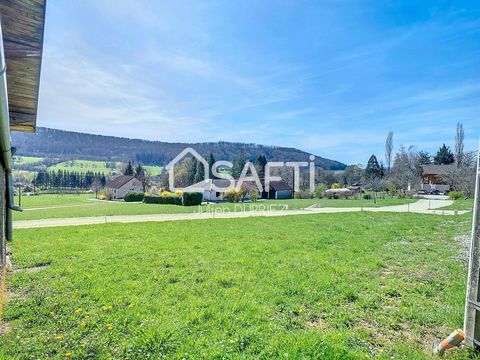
(132, 185)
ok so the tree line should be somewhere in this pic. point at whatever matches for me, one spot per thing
(64, 179)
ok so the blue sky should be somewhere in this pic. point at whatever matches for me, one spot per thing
(328, 77)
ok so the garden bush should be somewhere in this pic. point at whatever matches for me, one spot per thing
(367, 197)
(170, 199)
(303, 194)
(320, 190)
(133, 196)
(192, 198)
(455, 195)
(233, 195)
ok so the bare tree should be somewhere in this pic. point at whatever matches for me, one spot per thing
(96, 186)
(406, 168)
(388, 150)
(459, 144)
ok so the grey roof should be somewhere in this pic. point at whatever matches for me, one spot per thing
(338, 191)
(437, 169)
(119, 181)
(279, 186)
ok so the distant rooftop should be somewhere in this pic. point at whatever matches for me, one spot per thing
(437, 169)
(119, 181)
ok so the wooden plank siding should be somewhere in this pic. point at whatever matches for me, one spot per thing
(23, 28)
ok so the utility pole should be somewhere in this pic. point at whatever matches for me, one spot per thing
(472, 303)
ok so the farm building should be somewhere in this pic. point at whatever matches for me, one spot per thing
(119, 186)
(278, 190)
(21, 44)
(432, 177)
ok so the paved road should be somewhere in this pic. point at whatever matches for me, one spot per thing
(421, 206)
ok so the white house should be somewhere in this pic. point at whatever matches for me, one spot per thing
(278, 189)
(119, 186)
(206, 188)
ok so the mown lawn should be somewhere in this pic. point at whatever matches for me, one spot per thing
(347, 286)
(68, 206)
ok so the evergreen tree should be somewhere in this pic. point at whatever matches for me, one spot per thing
(128, 169)
(139, 171)
(238, 165)
(199, 172)
(260, 164)
(444, 156)
(373, 169)
(424, 158)
(191, 165)
(211, 161)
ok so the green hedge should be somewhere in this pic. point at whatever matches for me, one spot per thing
(192, 198)
(455, 195)
(186, 199)
(133, 196)
(164, 200)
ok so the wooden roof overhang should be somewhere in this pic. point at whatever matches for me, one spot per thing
(23, 24)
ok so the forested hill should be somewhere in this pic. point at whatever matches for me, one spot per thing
(73, 145)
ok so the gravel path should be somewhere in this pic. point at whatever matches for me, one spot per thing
(422, 207)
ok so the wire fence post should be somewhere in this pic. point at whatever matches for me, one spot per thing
(472, 304)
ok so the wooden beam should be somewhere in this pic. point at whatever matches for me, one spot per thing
(472, 304)
(15, 50)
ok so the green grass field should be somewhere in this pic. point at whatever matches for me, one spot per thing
(354, 286)
(68, 206)
(98, 166)
(27, 160)
(86, 165)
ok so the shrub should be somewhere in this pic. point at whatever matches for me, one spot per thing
(133, 196)
(164, 200)
(367, 196)
(320, 190)
(335, 186)
(455, 195)
(102, 197)
(253, 195)
(233, 195)
(192, 198)
(303, 194)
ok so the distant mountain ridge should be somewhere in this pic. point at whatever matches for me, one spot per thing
(71, 145)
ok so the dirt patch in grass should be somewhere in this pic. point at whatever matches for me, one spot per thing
(463, 242)
(5, 328)
(318, 324)
(34, 268)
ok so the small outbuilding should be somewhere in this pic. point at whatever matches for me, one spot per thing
(278, 190)
(119, 186)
